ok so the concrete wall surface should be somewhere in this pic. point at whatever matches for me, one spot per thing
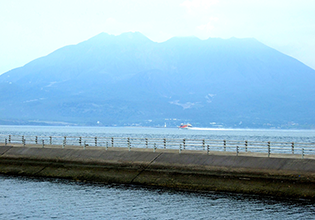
(290, 177)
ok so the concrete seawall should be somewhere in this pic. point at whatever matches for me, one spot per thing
(289, 177)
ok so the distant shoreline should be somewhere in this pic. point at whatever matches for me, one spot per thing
(160, 127)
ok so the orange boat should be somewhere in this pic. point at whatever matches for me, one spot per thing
(185, 126)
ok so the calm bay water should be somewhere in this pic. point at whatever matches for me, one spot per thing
(28, 198)
(306, 136)
(25, 198)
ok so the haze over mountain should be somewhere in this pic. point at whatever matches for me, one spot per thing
(129, 79)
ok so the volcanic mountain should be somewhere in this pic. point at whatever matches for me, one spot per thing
(130, 80)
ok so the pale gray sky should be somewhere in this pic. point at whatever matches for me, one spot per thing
(34, 28)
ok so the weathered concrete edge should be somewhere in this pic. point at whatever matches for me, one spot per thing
(289, 177)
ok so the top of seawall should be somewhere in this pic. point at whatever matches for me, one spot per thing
(169, 159)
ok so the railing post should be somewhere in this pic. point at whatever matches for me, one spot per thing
(64, 142)
(184, 143)
(208, 149)
(246, 144)
(292, 146)
(180, 148)
(154, 147)
(302, 153)
(112, 142)
(36, 140)
(23, 141)
(224, 145)
(203, 144)
(106, 145)
(129, 147)
(84, 146)
(5, 141)
(146, 143)
(80, 141)
(95, 141)
(10, 139)
(268, 148)
(237, 150)
(50, 140)
(164, 143)
(43, 143)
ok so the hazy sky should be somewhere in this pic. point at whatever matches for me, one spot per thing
(34, 28)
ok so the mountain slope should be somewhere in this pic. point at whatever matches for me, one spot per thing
(129, 79)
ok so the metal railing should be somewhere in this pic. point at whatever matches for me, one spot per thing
(208, 145)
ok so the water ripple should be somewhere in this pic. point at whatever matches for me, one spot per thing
(27, 198)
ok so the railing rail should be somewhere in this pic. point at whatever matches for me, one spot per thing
(208, 145)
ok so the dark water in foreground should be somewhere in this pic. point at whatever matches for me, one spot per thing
(25, 198)
(28, 198)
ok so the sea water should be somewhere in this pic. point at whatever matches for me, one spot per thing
(42, 198)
